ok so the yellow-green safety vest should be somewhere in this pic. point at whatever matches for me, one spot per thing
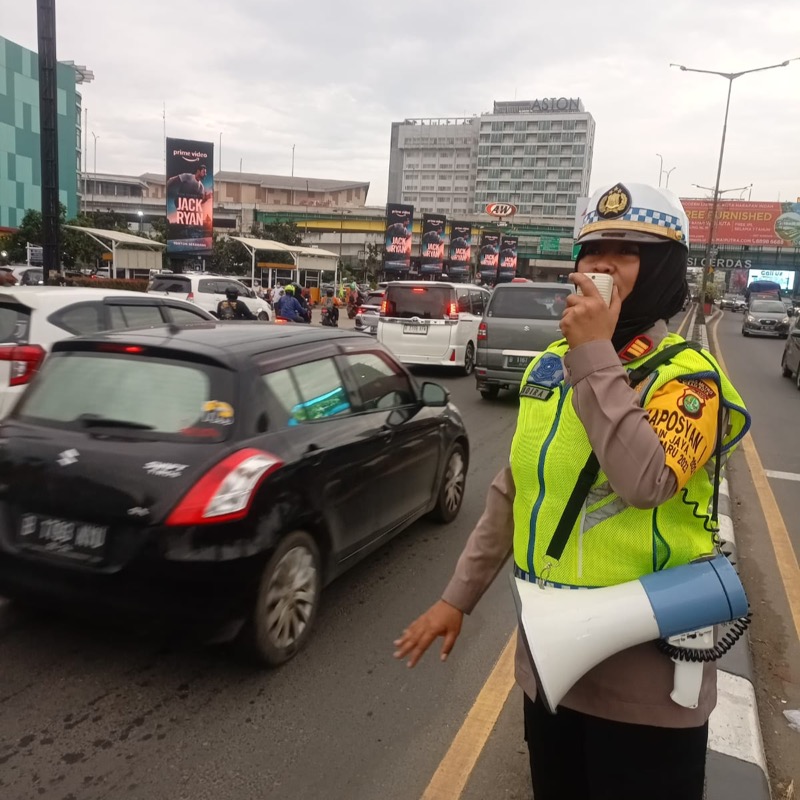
(611, 541)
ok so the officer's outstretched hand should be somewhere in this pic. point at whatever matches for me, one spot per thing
(441, 619)
(587, 318)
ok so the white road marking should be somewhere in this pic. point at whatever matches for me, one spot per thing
(783, 476)
(733, 727)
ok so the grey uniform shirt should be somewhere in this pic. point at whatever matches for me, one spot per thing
(632, 686)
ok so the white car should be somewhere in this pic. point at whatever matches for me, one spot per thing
(432, 322)
(207, 291)
(33, 318)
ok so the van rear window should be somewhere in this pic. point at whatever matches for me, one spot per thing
(528, 303)
(171, 284)
(425, 302)
(14, 323)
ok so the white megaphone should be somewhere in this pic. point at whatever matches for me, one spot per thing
(569, 631)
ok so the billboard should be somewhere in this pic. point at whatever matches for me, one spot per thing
(489, 255)
(783, 277)
(508, 257)
(190, 197)
(397, 237)
(460, 248)
(744, 223)
(432, 244)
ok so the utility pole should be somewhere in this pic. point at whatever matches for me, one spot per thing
(730, 77)
(48, 116)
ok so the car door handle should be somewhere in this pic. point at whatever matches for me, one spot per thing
(386, 435)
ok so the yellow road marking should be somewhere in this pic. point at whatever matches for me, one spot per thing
(453, 772)
(776, 527)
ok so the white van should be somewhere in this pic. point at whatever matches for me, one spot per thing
(431, 322)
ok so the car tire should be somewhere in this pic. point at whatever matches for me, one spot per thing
(784, 336)
(490, 392)
(785, 371)
(744, 332)
(263, 316)
(469, 359)
(286, 602)
(451, 489)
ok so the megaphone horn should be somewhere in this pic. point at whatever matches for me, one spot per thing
(569, 631)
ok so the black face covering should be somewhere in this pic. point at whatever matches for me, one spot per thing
(658, 293)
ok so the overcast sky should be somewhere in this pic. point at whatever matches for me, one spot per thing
(330, 77)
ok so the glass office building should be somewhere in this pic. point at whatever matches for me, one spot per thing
(20, 159)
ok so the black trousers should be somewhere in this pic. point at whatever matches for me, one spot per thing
(578, 757)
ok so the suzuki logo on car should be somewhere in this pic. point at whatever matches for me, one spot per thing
(501, 209)
(67, 458)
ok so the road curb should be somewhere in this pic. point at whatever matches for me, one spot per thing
(736, 764)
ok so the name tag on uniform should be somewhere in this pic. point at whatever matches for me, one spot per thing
(536, 392)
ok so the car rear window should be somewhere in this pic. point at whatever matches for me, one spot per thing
(528, 303)
(15, 323)
(147, 397)
(171, 284)
(425, 302)
(767, 307)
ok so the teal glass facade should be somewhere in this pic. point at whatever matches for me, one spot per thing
(20, 160)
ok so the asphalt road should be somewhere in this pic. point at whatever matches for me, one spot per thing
(753, 365)
(91, 710)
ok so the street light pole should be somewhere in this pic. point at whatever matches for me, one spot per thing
(94, 173)
(730, 77)
(669, 172)
(660, 168)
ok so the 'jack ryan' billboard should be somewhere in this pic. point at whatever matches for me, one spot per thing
(489, 255)
(397, 237)
(460, 248)
(432, 246)
(190, 197)
(508, 257)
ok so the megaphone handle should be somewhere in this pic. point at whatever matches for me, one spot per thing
(689, 674)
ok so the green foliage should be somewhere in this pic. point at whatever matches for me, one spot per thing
(228, 257)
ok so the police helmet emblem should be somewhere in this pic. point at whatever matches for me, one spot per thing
(614, 203)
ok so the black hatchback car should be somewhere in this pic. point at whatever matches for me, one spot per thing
(223, 472)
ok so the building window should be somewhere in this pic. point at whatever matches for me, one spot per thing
(550, 211)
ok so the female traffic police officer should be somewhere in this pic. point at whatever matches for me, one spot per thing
(658, 443)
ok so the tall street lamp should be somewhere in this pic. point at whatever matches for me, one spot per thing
(94, 174)
(660, 168)
(668, 172)
(730, 77)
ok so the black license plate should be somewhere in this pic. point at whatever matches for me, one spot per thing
(518, 361)
(79, 541)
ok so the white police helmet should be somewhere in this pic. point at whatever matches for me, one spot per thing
(634, 212)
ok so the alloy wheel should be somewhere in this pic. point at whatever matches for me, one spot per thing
(454, 479)
(290, 597)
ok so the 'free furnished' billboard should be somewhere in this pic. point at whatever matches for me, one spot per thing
(190, 197)
(397, 237)
(744, 223)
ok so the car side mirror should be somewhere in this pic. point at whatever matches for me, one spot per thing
(434, 395)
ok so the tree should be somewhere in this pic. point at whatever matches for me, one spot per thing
(80, 250)
(284, 232)
(228, 257)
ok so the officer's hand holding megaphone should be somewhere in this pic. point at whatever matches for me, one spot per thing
(587, 318)
(441, 619)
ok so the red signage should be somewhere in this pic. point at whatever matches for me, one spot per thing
(744, 223)
(501, 209)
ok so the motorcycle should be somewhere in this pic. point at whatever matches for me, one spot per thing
(328, 318)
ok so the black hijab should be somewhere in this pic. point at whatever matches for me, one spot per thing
(658, 293)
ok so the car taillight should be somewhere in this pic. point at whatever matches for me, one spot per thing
(483, 332)
(190, 297)
(25, 361)
(452, 311)
(384, 307)
(226, 491)
(359, 311)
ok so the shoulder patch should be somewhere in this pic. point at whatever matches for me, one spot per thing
(548, 371)
(636, 348)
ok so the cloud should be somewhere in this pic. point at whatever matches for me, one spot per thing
(329, 78)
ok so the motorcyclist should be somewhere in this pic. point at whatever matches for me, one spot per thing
(232, 307)
(288, 307)
(330, 309)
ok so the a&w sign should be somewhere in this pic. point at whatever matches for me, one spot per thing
(501, 209)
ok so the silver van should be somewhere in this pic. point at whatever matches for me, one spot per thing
(521, 321)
